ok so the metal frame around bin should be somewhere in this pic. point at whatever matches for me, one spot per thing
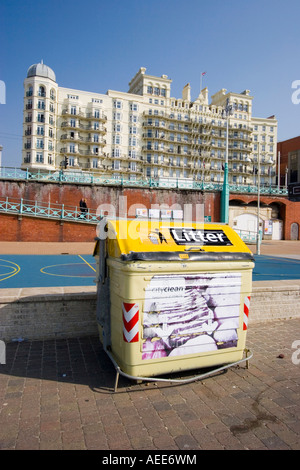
(119, 372)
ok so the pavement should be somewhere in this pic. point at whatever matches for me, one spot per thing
(59, 394)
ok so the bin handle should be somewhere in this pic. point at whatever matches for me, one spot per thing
(194, 248)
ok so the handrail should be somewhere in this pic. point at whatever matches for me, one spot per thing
(50, 211)
(7, 173)
(248, 235)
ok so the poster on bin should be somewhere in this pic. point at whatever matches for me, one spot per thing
(190, 314)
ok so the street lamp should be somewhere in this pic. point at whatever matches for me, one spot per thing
(258, 202)
(225, 191)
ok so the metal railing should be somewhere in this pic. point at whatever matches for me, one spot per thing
(49, 211)
(85, 177)
(248, 236)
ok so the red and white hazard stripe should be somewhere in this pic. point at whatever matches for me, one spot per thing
(130, 322)
(246, 312)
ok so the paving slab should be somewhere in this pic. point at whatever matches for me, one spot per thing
(59, 395)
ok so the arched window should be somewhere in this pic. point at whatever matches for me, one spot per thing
(52, 94)
(42, 91)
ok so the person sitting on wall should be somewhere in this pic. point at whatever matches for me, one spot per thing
(83, 206)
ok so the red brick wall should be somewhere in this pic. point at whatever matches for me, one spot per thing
(289, 211)
(34, 229)
(284, 148)
(30, 229)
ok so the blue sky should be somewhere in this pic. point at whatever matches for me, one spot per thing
(96, 45)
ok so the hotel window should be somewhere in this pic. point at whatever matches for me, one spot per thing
(72, 123)
(41, 117)
(132, 166)
(73, 110)
(117, 116)
(39, 158)
(95, 163)
(72, 148)
(133, 107)
(132, 130)
(40, 143)
(149, 90)
(40, 130)
(116, 139)
(41, 91)
(52, 94)
(116, 152)
(117, 104)
(132, 153)
(163, 92)
(41, 104)
(132, 141)
(95, 138)
(71, 161)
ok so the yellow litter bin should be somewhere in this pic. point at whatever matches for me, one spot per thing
(172, 296)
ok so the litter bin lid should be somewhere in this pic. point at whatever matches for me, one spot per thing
(149, 240)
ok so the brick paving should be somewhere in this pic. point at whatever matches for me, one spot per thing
(58, 394)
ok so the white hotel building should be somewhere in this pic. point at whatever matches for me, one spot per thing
(145, 132)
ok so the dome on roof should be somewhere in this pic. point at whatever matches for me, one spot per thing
(41, 70)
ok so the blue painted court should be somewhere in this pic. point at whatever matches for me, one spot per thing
(275, 268)
(46, 270)
(17, 271)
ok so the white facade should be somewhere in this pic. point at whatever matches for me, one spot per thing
(145, 132)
